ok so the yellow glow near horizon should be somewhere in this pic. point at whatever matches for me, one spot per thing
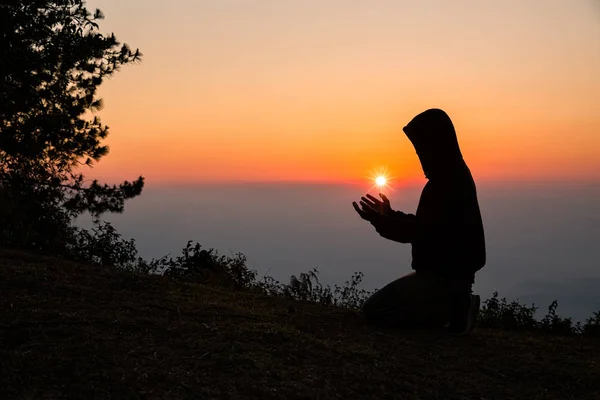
(381, 179)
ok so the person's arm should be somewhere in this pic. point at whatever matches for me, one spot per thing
(389, 223)
(396, 226)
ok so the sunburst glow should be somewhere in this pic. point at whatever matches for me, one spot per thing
(381, 179)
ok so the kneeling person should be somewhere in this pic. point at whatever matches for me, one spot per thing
(446, 234)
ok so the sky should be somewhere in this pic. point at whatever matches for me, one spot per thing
(316, 90)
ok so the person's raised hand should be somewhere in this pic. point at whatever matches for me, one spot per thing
(373, 204)
(364, 214)
(371, 207)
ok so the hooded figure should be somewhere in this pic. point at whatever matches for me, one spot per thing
(449, 237)
(446, 234)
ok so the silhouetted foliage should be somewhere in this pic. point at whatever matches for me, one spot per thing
(556, 324)
(52, 61)
(198, 263)
(592, 325)
(307, 287)
(104, 246)
(500, 314)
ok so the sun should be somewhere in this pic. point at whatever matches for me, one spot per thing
(381, 180)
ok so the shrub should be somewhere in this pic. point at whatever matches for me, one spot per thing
(555, 324)
(500, 314)
(307, 287)
(197, 263)
(104, 246)
(592, 325)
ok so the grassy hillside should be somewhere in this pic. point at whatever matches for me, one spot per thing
(78, 331)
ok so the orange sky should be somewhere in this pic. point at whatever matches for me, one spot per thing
(320, 90)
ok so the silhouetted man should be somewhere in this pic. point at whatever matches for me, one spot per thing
(446, 234)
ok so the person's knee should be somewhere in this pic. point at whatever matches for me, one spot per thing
(369, 309)
(374, 312)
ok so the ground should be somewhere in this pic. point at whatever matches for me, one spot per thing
(79, 331)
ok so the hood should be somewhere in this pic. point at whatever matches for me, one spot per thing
(434, 139)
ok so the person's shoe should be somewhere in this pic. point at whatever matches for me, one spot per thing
(465, 316)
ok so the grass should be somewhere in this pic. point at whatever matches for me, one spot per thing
(69, 330)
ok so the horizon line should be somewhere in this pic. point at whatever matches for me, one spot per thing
(360, 182)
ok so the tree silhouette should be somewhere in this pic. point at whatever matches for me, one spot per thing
(52, 60)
